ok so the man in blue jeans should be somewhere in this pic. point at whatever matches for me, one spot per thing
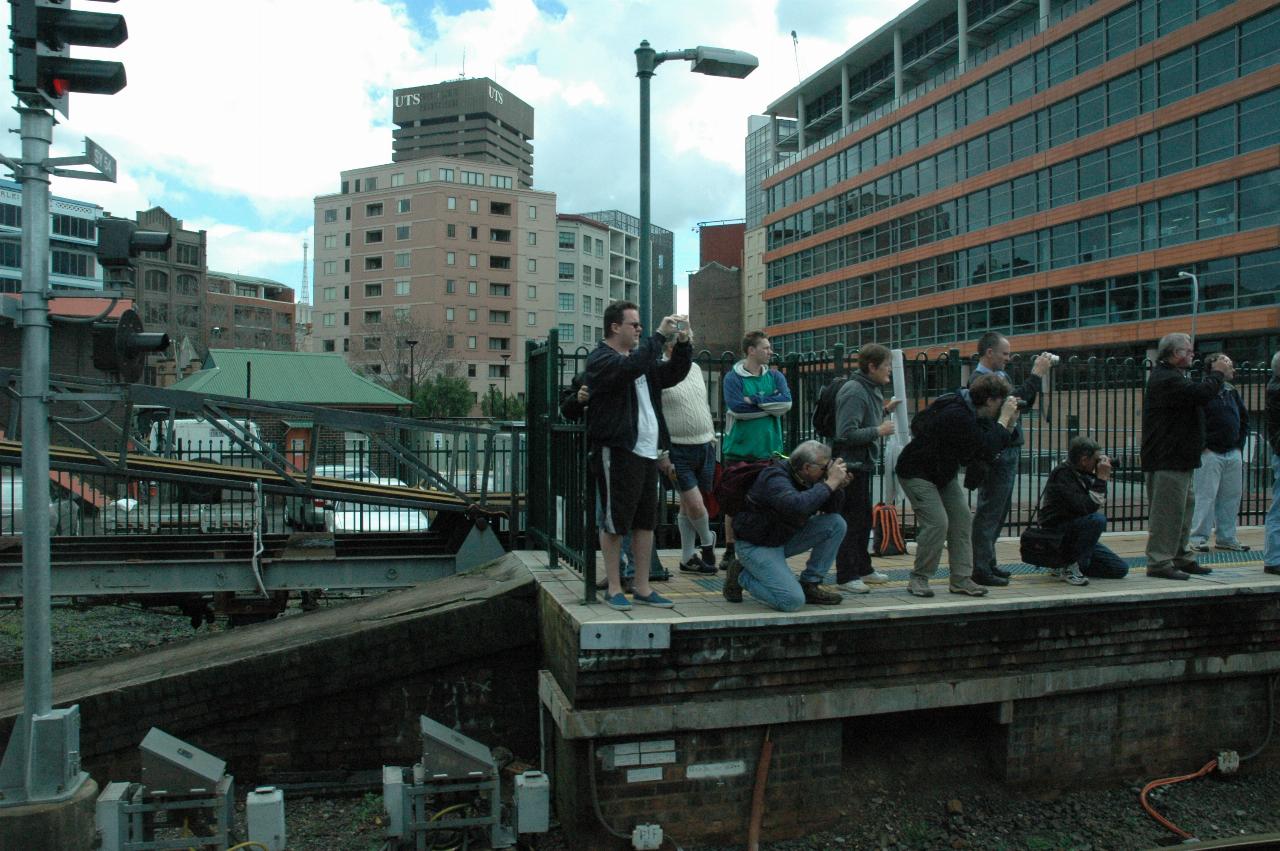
(1073, 499)
(1271, 555)
(793, 507)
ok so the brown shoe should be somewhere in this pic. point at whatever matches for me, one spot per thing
(1166, 571)
(1194, 568)
(817, 595)
(732, 588)
(919, 587)
(969, 588)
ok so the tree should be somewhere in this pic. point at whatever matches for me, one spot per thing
(382, 352)
(493, 405)
(443, 396)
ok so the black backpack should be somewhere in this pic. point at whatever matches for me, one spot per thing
(824, 413)
(920, 422)
(735, 484)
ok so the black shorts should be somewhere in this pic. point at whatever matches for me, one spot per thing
(626, 488)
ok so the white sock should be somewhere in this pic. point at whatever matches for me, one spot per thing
(686, 537)
(703, 527)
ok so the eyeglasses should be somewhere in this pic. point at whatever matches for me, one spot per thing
(634, 324)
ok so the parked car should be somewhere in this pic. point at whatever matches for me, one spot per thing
(345, 516)
(311, 514)
(64, 514)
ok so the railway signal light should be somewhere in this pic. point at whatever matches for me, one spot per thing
(44, 73)
(122, 347)
(119, 241)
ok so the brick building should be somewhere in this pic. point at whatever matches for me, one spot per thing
(1044, 170)
(248, 313)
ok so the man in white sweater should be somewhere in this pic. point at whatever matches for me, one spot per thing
(692, 464)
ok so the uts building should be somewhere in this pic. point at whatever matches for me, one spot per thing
(469, 119)
(1042, 169)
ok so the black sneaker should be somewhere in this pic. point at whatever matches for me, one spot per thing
(709, 558)
(990, 580)
(697, 565)
(1273, 569)
(727, 559)
(817, 595)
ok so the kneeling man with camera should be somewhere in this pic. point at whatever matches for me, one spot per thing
(1072, 503)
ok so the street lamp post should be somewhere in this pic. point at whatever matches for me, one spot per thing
(411, 344)
(506, 374)
(1195, 301)
(714, 61)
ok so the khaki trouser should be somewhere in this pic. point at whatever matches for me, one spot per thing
(942, 516)
(1173, 502)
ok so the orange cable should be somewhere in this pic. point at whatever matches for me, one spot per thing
(1169, 781)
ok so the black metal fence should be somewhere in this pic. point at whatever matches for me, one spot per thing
(1096, 397)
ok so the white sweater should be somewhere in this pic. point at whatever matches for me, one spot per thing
(684, 407)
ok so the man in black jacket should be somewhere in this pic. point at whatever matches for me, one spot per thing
(1219, 480)
(1073, 499)
(1271, 555)
(625, 430)
(1173, 436)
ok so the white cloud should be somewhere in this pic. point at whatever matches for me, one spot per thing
(238, 113)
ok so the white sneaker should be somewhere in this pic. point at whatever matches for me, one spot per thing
(1072, 576)
(876, 577)
(854, 586)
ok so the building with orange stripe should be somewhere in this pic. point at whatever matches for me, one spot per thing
(1040, 168)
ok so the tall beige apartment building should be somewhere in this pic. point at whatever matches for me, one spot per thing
(452, 254)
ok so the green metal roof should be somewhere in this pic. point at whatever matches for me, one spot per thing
(311, 378)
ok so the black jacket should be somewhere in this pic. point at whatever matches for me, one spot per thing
(1273, 414)
(612, 415)
(952, 438)
(1070, 494)
(779, 505)
(1226, 421)
(1028, 393)
(1173, 430)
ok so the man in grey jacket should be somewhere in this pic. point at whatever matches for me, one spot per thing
(860, 424)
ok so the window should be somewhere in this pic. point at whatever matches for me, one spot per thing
(373, 290)
(497, 181)
(473, 205)
(446, 174)
(472, 314)
(533, 211)
(473, 260)
(155, 281)
(532, 265)
(402, 205)
(330, 294)
(499, 208)
(330, 216)
(471, 344)
(372, 236)
(448, 341)
(586, 244)
(373, 209)
(448, 314)
(449, 258)
(373, 317)
(451, 231)
(500, 290)
(499, 235)
(473, 232)
(188, 285)
(451, 202)
(331, 241)
(586, 306)
(187, 254)
(566, 332)
(566, 240)
(424, 174)
(531, 318)
(402, 288)
(397, 179)
(402, 259)
(372, 344)
(566, 303)
(402, 314)
(531, 291)
(586, 273)
(472, 288)
(500, 317)
(471, 178)
(329, 267)
(450, 285)
(370, 184)
(402, 231)
(566, 272)
(327, 346)
(499, 262)
(329, 320)
(532, 237)
(372, 264)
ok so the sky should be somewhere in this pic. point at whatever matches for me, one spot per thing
(239, 112)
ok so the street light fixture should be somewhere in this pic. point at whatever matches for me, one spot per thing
(714, 61)
(411, 344)
(1195, 301)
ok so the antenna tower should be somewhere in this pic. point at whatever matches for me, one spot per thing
(306, 277)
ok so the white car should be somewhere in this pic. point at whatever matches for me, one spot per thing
(345, 516)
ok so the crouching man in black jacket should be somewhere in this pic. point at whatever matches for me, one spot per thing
(1073, 499)
(793, 507)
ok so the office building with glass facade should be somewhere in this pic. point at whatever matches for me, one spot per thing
(1041, 169)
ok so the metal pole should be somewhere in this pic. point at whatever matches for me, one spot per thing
(1195, 301)
(645, 63)
(55, 773)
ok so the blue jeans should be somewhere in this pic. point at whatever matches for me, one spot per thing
(1271, 552)
(1080, 542)
(766, 576)
(1219, 483)
(993, 507)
